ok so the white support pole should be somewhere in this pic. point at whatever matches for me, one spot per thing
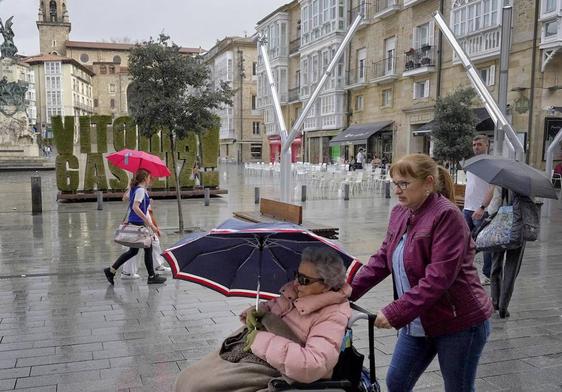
(550, 154)
(491, 106)
(287, 139)
(285, 169)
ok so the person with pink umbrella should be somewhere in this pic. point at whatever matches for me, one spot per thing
(139, 204)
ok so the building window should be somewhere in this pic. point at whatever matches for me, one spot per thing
(84, 57)
(111, 69)
(111, 88)
(549, 6)
(116, 59)
(359, 102)
(423, 35)
(469, 17)
(421, 89)
(551, 28)
(253, 102)
(488, 75)
(255, 151)
(112, 103)
(95, 102)
(256, 128)
(254, 68)
(361, 61)
(386, 97)
(103, 69)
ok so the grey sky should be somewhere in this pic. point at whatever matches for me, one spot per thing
(190, 23)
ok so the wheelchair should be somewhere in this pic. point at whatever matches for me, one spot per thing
(349, 373)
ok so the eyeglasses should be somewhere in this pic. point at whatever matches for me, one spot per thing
(306, 280)
(403, 185)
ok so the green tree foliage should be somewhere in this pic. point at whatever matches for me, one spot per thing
(455, 128)
(173, 92)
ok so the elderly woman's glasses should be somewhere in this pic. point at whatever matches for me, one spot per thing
(403, 185)
(306, 280)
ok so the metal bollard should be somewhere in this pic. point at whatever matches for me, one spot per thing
(303, 193)
(257, 195)
(207, 196)
(346, 191)
(387, 189)
(99, 195)
(36, 200)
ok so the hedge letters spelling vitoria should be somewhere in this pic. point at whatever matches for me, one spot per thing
(100, 175)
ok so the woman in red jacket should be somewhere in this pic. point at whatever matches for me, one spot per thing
(440, 306)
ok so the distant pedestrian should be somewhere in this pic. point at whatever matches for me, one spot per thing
(139, 203)
(505, 267)
(130, 268)
(477, 197)
(440, 307)
(359, 160)
(196, 173)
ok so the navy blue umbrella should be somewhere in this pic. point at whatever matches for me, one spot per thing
(246, 259)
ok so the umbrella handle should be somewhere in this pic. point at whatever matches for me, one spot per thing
(258, 295)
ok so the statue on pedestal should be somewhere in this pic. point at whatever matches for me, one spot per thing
(9, 50)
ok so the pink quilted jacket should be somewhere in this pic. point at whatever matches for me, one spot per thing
(318, 320)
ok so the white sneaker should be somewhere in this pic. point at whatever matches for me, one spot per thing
(129, 276)
(162, 268)
(486, 281)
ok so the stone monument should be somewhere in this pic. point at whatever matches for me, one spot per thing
(17, 141)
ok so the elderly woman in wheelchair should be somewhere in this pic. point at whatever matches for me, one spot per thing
(294, 338)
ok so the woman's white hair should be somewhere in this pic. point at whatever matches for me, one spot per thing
(328, 264)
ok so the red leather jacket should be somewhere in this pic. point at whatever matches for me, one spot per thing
(439, 261)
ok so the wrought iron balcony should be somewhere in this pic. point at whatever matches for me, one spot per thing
(365, 9)
(227, 134)
(384, 70)
(294, 94)
(384, 8)
(294, 46)
(419, 61)
(358, 77)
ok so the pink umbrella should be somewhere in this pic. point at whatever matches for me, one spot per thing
(133, 160)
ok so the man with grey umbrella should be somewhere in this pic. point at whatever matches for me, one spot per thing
(477, 198)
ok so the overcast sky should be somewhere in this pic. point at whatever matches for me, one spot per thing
(190, 23)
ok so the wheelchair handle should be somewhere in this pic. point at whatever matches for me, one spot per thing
(365, 314)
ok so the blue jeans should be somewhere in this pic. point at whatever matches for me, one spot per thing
(487, 267)
(458, 356)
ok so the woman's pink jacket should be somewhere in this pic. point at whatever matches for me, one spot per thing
(318, 320)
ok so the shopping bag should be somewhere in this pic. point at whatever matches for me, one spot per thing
(499, 232)
(133, 236)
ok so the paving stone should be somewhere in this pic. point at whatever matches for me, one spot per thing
(69, 367)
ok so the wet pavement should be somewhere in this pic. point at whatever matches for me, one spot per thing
(63, 328)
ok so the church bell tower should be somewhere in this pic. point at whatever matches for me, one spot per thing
(53, 23)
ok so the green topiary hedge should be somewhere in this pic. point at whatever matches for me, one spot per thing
(211, 179)
(210, 147)
(63, 134)
(121, 180)
(101, 131)
(68, 177)
(85, 131)
(95, 173)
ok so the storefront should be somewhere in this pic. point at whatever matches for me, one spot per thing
(374, 138)
(275, 148)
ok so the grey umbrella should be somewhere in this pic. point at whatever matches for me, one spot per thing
(516, 176)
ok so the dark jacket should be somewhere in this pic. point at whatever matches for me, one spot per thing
(439, 261)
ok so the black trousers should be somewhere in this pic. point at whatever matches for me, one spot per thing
(505, 268)
(132, 252)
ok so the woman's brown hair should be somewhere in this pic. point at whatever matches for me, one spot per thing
(140, 176)
(421, 166)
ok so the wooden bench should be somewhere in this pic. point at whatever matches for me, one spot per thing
(459, 195)
(273, 210)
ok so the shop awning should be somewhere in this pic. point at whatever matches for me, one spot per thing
(483, 123)
(360, 133)
(277, 140)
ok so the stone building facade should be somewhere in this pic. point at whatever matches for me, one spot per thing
(234, 60)
(281, 29)
(397, 65)
(98, 76)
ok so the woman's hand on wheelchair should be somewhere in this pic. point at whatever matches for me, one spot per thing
(381, 321)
